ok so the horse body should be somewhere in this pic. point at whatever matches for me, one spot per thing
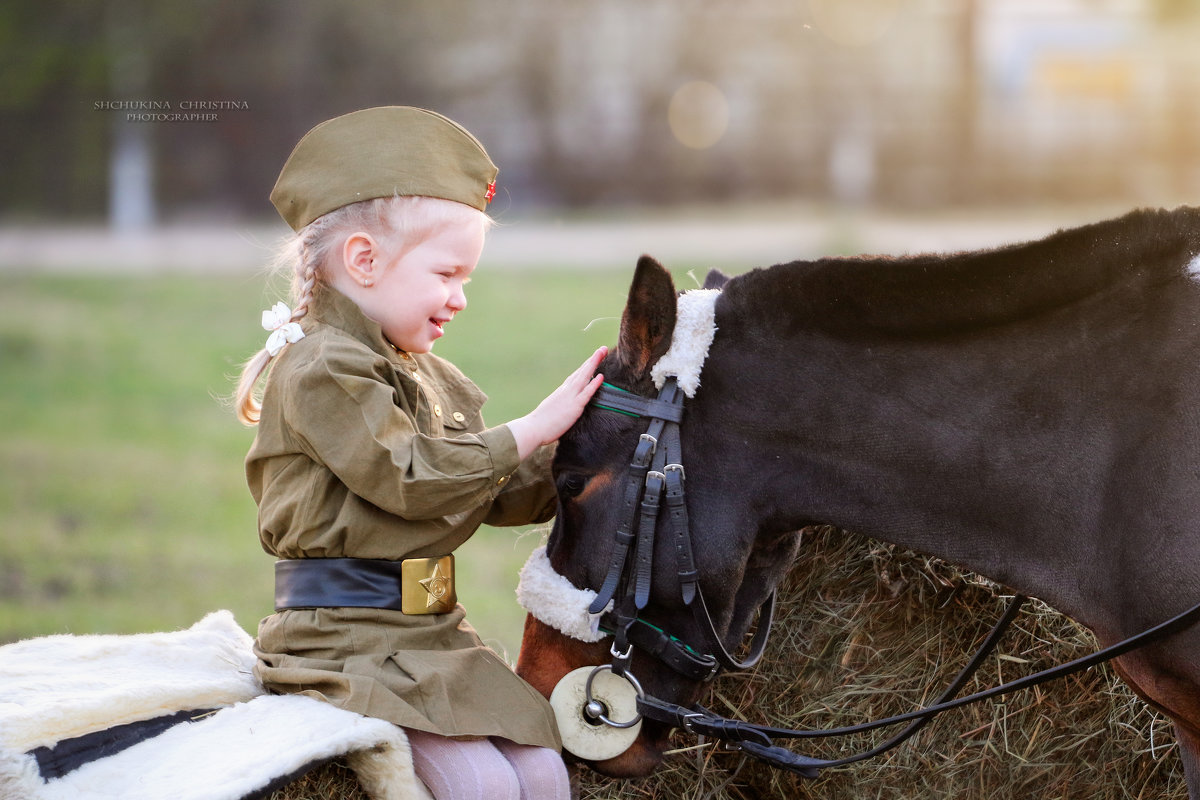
(1053, 451)
(1031, 413)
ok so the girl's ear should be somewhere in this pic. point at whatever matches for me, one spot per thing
(359, 254)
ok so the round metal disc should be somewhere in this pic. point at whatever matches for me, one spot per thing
(591, 739)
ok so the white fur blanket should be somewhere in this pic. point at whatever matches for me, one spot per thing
(173, 715)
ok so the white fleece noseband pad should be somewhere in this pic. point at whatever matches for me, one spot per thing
(555, 601)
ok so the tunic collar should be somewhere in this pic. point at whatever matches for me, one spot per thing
(331, 307)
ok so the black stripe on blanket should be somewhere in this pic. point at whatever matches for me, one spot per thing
(71, 754)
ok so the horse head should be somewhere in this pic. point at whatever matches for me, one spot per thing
(737, 564)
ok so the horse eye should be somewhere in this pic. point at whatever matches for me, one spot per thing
(571, 485)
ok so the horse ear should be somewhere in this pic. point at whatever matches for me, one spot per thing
(715, 279)
(649, 317)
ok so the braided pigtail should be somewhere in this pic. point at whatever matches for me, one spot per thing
(301, 256)
(305, 278)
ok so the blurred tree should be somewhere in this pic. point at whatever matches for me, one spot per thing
(52, 67)
(66, 70)
(77, 79)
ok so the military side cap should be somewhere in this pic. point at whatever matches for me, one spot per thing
(381, 152)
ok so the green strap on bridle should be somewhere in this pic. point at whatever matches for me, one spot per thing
(608, 385)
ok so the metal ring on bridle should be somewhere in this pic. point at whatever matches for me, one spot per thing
(595, 709)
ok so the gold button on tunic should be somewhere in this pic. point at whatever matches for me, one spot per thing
(353, 458)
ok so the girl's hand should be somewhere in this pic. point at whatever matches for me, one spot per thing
(558, 412)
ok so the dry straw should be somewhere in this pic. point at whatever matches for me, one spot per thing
(865, 631)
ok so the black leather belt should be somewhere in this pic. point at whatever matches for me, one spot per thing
(412, 586)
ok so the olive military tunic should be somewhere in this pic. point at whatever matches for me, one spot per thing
(366, 452)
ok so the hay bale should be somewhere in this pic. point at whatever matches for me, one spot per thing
(330, 781)
(865, 631)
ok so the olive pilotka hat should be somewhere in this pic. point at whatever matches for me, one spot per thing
(381, 152)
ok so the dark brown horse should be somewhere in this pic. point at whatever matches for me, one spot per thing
(1031, 413)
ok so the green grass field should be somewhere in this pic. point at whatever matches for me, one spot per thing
(123, 506)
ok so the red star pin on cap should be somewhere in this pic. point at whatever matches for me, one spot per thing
(491, 191)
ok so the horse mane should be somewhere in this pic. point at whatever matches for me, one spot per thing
(939, 294)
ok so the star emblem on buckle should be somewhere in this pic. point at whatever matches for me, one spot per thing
(437, 585)
(427, 585)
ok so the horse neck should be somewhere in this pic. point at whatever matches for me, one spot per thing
(993, 449)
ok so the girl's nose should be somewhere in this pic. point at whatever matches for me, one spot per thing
(457, 299)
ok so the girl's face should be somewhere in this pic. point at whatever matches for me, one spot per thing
(415, 293)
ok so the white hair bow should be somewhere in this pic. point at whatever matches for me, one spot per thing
(277, 320)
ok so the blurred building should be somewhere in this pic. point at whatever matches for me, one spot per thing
(911, 103)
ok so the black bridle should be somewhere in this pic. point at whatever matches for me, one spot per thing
(656, 474)
(657, 471)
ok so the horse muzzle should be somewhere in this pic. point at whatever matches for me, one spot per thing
(640, 760)
(550, 663)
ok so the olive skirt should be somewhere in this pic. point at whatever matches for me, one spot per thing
(429, 672)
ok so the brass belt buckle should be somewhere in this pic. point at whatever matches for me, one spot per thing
(427, 585)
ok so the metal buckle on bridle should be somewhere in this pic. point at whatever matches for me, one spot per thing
(623, 657)
(646, 447)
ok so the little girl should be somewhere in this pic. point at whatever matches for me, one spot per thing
(371, 462)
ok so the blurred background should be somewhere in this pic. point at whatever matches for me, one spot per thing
(144, 112)
(140, 140)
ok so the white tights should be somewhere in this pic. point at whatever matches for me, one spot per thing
(487, 769)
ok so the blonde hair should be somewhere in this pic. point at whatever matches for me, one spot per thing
(402, 222)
